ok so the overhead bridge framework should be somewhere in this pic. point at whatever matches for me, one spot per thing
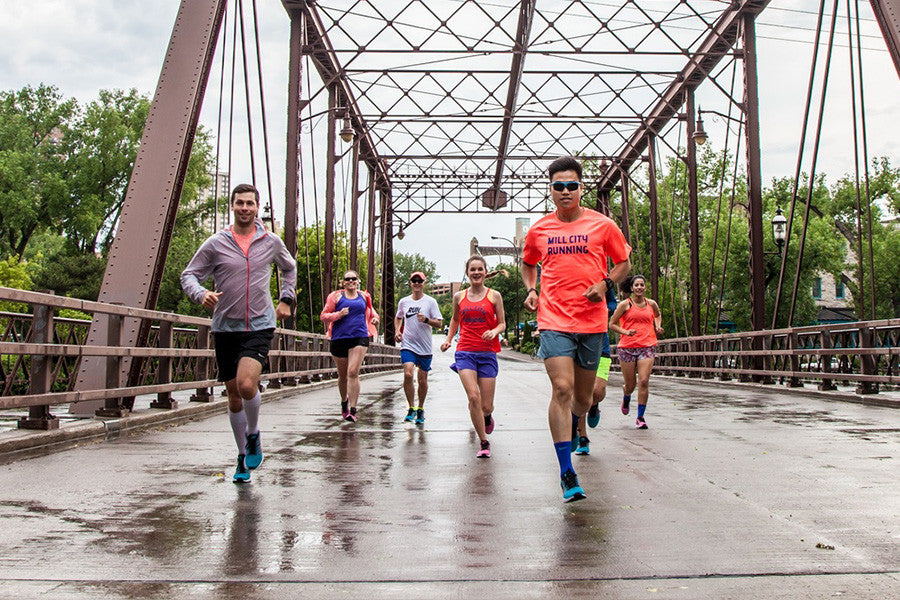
(457, 107)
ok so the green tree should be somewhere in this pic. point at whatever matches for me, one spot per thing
(103, 146)
(407, 264)
(34, 122)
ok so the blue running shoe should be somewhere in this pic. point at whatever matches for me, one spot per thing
(254, 451)
(593, 416)
(584, 447)
(410, 415)
(242, 473)
(420, 416)
(571, 490)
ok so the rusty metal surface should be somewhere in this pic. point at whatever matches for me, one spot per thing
(726, 496)
(138, 254)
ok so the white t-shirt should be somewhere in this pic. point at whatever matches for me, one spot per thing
(417, 335)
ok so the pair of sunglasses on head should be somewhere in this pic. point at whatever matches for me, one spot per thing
(559, 186)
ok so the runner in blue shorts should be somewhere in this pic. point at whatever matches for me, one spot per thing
(416, 315)
(479, 317)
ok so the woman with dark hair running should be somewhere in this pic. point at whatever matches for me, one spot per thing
(638, 321)
(479, 317)
(351, 321)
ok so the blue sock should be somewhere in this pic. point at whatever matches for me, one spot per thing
(641, 409)
(563, 455)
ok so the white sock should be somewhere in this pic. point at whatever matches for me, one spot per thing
(239, 428)
(251, 407)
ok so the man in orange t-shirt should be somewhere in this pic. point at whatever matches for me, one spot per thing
(573, 245)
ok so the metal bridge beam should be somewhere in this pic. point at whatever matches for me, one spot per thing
(716, 45)
(520, 50)
(887, 12)
(138, 254)
(324, 57)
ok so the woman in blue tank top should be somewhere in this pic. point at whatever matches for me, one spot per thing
(351, 320)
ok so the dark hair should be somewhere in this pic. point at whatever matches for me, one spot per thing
(243, 188)
(488, 274)
(564, 163)
(626, 284)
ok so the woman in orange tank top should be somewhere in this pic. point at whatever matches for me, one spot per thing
(479, 317)
(638, 321)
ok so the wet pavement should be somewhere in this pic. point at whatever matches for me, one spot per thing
(731, 493)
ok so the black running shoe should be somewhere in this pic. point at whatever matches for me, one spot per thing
(571, 490)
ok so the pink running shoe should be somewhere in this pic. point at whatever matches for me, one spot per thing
(485, 451)
(350, 417)
(640, 423)
(626, 401)
(489, 424)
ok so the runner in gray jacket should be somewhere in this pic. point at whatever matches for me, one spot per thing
(239, 260)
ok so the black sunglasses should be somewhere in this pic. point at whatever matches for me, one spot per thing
(417, 280)
(350, 278)
(559, 186)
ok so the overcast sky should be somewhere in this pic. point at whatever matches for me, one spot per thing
(82, 46)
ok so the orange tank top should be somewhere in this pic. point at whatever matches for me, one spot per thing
(641, 319)
(474, 319)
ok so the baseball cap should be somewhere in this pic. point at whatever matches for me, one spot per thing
(419, 274)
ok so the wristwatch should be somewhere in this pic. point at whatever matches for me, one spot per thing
(537, 293)
(610, 284)
(287, 300)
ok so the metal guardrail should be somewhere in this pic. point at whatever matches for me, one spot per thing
(40, 355)
(862, 352)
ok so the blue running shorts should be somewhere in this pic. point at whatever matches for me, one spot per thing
(423, 362)
(483, 363)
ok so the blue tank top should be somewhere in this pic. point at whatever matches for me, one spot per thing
(354, 324)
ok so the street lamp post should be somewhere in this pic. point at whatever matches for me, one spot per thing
(516, 250)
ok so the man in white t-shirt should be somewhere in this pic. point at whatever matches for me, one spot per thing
(416, 315)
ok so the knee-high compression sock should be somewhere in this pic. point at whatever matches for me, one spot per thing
(239, 429)
(251, 408)
(563, 455)
(641, 409)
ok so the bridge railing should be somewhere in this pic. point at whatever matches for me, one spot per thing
(865, 353)
(41, 353)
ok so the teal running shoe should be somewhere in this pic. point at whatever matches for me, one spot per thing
(584, 447)
(254, 451)
(571, 490)
(593, 416)
(420, 416)
(410, 415)
(242, 473)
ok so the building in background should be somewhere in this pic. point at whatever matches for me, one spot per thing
(221, 186)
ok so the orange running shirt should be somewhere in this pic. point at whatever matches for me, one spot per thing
(573, 257)
(639, 318)
(243, 240)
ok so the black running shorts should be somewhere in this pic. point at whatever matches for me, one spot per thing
(231, 346)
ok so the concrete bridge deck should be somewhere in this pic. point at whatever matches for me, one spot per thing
(731, 493)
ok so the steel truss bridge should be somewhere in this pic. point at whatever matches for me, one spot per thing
(454, 106)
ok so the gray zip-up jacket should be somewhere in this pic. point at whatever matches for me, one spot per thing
(246, 302)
